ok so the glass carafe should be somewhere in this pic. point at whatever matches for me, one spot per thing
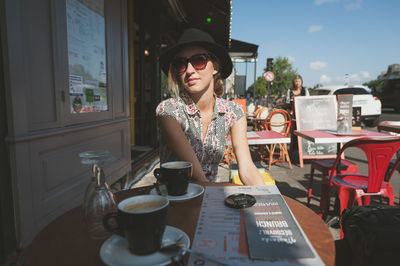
(98, 199)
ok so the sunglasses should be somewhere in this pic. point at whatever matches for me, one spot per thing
(198, 61)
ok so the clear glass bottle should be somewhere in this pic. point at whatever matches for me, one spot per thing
(98, 198)
(100, 202)
(90, 187)
(95, 159)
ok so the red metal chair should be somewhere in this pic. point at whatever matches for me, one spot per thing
(352, 187)
(325, 166)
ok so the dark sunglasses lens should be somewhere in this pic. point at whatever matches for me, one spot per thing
(180, 64)
(199, 62)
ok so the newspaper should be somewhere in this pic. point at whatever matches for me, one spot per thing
(221, 231)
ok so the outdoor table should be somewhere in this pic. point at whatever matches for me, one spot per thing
(321, 136)
(390, 126)
(264, 137)
(65, 241)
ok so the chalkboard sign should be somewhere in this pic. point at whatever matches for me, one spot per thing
(316, 112)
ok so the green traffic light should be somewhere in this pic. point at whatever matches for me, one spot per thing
(208, 20)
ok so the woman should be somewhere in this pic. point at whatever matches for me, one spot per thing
(297, 89)
(195, 122)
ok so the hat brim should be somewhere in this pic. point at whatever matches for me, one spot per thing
(225, 61)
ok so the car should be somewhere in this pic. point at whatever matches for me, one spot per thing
(370, 105)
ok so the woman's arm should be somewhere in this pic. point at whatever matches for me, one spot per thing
(248, 172)
(177, 141)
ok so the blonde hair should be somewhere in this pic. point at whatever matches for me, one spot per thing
(175, 87)
(294, 79)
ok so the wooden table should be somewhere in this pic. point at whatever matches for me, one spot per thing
(390, 126)
(320, 136)
(65, 241)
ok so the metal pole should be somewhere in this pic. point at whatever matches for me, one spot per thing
(255, 78)
(269, 102)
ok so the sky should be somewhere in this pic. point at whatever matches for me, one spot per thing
(323, 39)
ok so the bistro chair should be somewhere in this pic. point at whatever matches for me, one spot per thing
(351, 187)
(229, 155)
(261, 114)
(278, 120)
(325, 166)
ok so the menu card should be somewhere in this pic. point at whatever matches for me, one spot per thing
(271, 227)
(221, 231)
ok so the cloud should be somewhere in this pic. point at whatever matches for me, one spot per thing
(349, 5)
(324, 79)
(291, 59)
(356, 78)
(322, 2)
(318, 65)
(314, 28)
(353, 5)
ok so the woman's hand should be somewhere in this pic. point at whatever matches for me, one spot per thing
(178, 142)
(248, 172)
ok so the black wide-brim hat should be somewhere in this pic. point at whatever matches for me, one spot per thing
(196, 37)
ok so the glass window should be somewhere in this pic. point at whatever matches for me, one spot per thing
(319, 92)
(355, 91)
(86, 56)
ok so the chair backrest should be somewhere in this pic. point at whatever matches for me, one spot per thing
(379, 152)
(278, 120)
(261, 112)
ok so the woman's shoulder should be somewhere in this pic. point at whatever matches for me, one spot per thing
(225, 105)
(167, 106)
(230, 108)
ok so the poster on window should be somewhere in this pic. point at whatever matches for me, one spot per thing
(86, 56)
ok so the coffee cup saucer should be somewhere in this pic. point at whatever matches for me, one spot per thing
(193, 191)
(115, 252)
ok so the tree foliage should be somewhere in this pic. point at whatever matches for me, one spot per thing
(261, 87)
(284, 73)
(375, 85)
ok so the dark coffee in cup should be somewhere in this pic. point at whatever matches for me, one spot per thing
(141, 220)
(175, 176)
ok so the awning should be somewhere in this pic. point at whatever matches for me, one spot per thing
(243, 51)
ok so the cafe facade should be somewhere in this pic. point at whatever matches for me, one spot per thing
(81, 75)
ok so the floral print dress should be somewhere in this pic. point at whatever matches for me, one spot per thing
(211, 149)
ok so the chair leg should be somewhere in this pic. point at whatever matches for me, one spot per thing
(271, 154)
(324, 201)
(389, 193)
(286, 154)
(347, 199)
(366, 200)
(310, 186)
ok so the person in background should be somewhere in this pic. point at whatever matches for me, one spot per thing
(195, 122)
(297, 89)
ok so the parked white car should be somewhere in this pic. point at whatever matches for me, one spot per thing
(362, 97)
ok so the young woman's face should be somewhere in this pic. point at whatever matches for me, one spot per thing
(297, 83)
(200, 70)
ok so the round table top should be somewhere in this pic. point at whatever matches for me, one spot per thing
(65, 241)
